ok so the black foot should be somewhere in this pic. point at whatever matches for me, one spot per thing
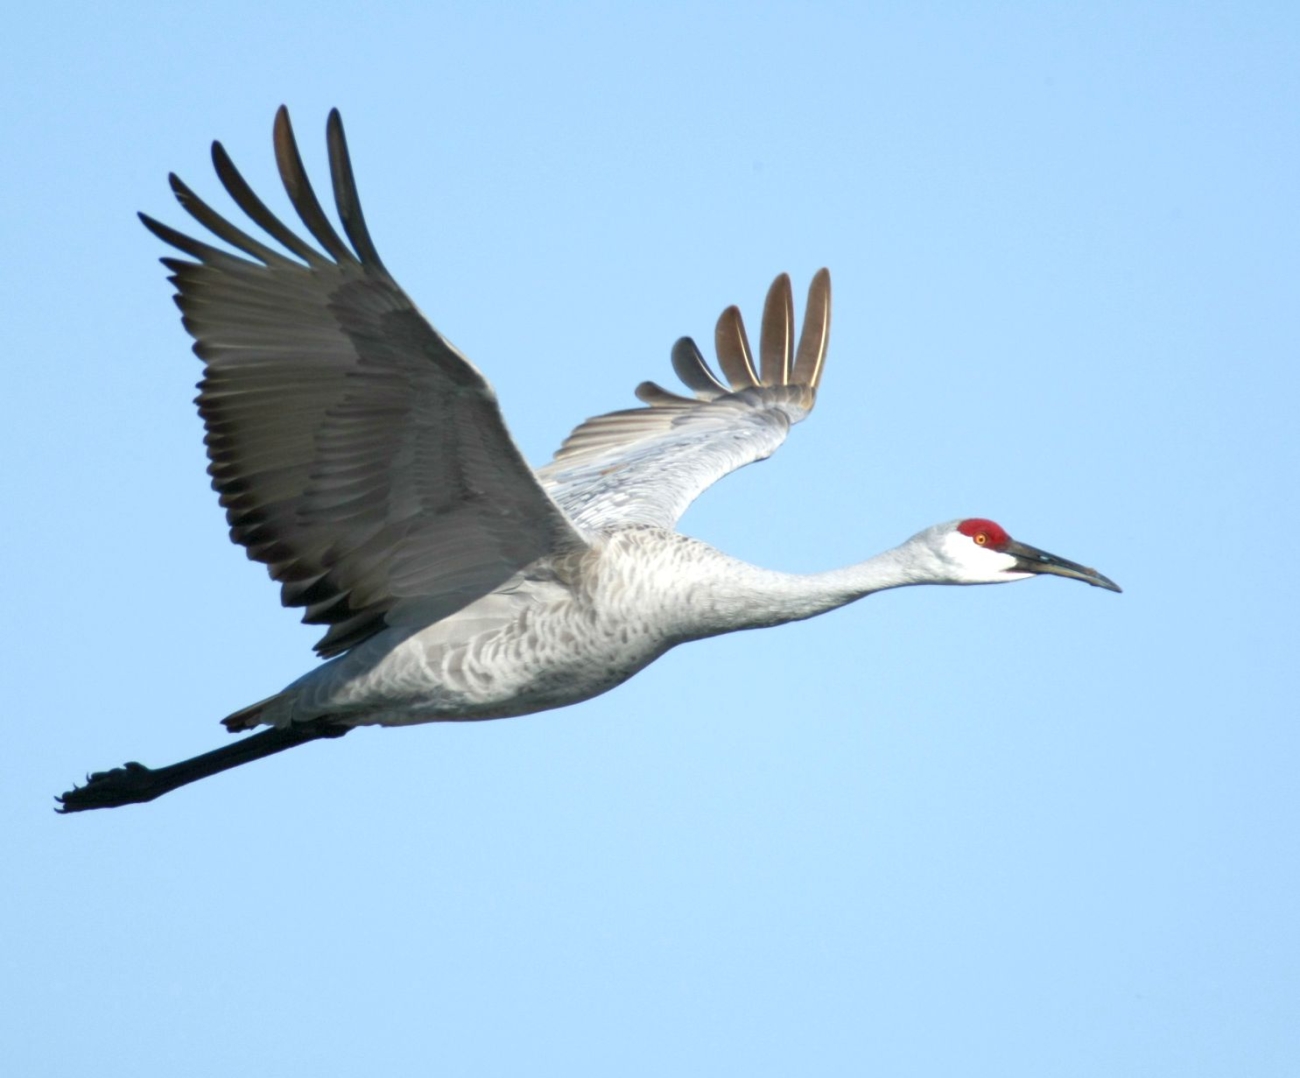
(126, 785)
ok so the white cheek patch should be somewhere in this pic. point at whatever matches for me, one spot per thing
(971, 563)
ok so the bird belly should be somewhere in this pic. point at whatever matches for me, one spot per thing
(461, 669)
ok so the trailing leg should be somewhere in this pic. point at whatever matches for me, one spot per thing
(134, 783)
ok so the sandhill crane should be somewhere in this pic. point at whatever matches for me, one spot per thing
(364, 461)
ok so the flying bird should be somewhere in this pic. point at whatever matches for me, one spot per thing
(365, 462)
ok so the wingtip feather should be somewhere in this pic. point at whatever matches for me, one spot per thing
(735, 357)
(298, 187)
(810, 359)
(776, 341)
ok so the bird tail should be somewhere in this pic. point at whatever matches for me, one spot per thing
(248, 717)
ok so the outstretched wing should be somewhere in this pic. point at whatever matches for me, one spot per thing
(646, 465)
(357, 453)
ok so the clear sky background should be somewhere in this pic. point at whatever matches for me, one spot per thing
(1018, 831)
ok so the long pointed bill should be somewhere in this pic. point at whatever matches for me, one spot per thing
(1032, 560)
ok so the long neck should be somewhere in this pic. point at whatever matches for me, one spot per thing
(746, 596)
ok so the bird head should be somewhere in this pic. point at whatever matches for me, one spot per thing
(979, 551)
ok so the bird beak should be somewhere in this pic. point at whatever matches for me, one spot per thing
(1032, 560)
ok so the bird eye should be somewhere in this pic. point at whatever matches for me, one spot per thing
(984, 533)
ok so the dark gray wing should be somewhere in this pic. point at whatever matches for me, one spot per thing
(646, 465)
(357, 453)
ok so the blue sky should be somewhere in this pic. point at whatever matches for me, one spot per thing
(1032, 830)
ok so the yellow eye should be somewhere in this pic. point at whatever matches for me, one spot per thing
(981, 538)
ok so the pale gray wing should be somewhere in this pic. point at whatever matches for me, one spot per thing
(357, 453)
(646, 465)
